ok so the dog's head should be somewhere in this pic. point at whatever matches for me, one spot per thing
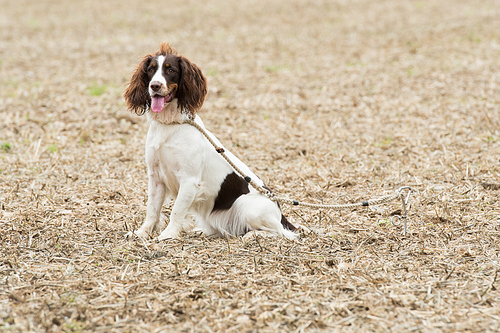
(163, 77)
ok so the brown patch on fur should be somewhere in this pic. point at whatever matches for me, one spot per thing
(286, 224)
(231, 189)
(136, 94)
(165, 49)
(192, 87)
(172, 86)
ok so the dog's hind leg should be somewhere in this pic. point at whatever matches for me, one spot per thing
(259, 213)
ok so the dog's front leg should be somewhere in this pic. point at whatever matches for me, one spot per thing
(179, 215)
(156, 196)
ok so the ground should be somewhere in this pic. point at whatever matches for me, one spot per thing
(327, 101)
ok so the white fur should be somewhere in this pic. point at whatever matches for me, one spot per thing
(184, 166)
(158, 77)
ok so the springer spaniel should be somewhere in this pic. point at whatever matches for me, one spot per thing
(184, 166)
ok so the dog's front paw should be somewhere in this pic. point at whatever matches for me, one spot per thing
(141, 233)
(168, 234)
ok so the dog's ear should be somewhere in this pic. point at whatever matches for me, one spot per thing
(136, 94)
(192, 87)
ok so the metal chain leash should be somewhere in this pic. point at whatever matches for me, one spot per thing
(398, 194)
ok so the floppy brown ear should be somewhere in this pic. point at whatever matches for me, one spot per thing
(136, 94)
(192, 87)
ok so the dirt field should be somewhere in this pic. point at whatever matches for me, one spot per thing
(327, 101)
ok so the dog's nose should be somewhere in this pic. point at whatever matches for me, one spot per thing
(155, 85)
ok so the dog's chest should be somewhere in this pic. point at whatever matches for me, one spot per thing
(165, 155)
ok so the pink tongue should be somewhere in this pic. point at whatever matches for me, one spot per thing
(157, 103)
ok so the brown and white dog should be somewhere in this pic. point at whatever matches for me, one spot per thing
(183, 165)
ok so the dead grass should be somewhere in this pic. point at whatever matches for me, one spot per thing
(327, 101)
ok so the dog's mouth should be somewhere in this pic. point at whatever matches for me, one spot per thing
(158, 101)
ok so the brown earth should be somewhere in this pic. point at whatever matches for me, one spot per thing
(328, 101)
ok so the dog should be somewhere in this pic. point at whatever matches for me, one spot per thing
(182, 165)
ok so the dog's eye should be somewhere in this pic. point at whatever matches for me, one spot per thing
(151, 70)
(170, 71)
